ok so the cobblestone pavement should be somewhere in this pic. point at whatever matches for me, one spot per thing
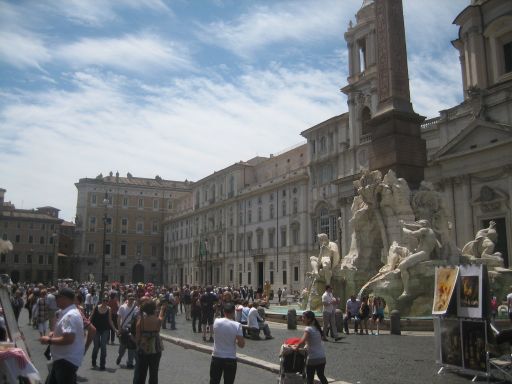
(178, 365)
(356, 359)
(408, 358)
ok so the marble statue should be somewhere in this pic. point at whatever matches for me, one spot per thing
(427, 244)
(484, 243)
(327, 259)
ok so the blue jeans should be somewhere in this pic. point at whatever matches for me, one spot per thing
(100, 341)
(171, 318)
(131, 353)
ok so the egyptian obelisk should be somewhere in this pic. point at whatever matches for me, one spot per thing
(395, 128)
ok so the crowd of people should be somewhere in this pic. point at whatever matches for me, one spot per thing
(135, 314)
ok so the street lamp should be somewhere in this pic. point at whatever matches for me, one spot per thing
(55, 269)
(102, 277)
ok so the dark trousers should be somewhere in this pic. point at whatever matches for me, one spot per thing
(221, 366)
(112, 332)
(147, 363)
(100, 344)
(63, 372)
(310, 373)
(196, 318)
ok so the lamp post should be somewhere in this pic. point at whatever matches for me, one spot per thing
(55, 266)
(102, 277)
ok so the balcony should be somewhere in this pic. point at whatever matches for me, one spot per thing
(256, 252)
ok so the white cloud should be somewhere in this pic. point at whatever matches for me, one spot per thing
(23, 50)
(133, 52)
(97, 13)
(282, 21)
(185, 129)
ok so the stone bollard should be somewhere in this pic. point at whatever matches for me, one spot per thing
(338, 315)
(292, 319)
(394, 322)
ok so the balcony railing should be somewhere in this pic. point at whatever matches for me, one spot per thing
(256, 252)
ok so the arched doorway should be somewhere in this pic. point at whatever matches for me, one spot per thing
(15, 276)
(138, 273)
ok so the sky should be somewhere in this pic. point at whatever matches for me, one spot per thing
(182, 88)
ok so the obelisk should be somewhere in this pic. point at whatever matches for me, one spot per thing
(395, 128)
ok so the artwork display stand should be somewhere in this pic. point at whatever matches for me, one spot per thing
(461, 323)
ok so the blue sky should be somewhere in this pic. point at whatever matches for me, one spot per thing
(183, 88)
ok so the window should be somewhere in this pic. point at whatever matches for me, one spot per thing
(124, 247)
(50, 258)
(362, 55)
(156, 204)
(41, 259)
(124, 225)
(90, 248)
(93, 199)
(313, 146)
(92, 224)
(271, 238)
(41, 240)
(249, 278)
(284, 277)
(139, 249)
(260, 214)
(295, 235)
(259, 239)
(30, 239)
(507, 54)
(324, 221)
(18, 238)
(295, 206)
(154, 250)
(271, 209)
(154, 227)
(295, 274)
(16, 258)
(231, 275)
(323, 144)
(249, 241)
(108, 224)
(283, 237)
(29, 259)
(140, 226)
(249, 216)
(284, 207)
(141, 203)
(365, 118)
(271, 265)
(283, 264)
(271, 277)
(231, 240)
(107, 247)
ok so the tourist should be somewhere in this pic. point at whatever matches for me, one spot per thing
(51, 302)
(208, 300)
(363, 315)
(126, 313)
(90, 301)
(149, 343)
(101, 318)
(113, 303)
(378, 305)
(493, 307)
(279, 293)
(187, 302)
(312, 338)
(228, 334)
(351, 311)
(329, 314)
(66, 341)
(256, 323)
(195, 311)
(42, 313)
(17, 304)
(88, 327)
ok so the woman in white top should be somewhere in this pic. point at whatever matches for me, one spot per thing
(312, 338)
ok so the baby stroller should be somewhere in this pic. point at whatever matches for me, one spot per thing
(292, 363)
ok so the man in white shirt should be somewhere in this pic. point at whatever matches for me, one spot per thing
(256, 323)
(125, 314)
(351, 311)
(228, 334)
(329, 311)
(66, 341)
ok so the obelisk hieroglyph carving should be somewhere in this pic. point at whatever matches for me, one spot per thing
(395, 127)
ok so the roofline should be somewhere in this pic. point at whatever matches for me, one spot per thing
(325, 122)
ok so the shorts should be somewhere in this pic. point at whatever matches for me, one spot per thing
(379, 316)
(207, 317)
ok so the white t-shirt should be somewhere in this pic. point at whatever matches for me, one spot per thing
(70, 321)
(125, 311)
(252, 318)
(327, 301)
(225, 331)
